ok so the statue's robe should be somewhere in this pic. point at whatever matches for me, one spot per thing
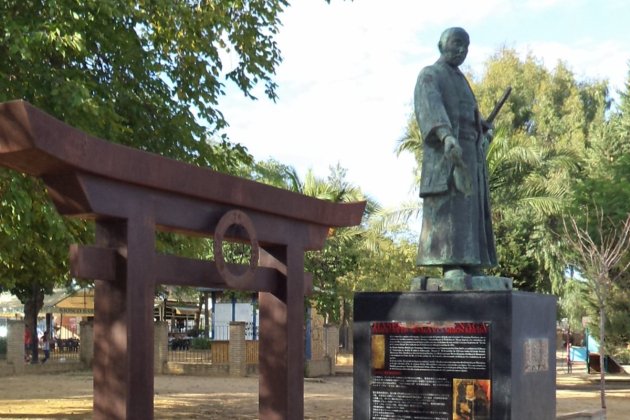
(456, 227)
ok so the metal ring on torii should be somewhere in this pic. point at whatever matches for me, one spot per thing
(235, 218)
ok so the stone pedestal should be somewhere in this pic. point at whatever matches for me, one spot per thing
(416, 353)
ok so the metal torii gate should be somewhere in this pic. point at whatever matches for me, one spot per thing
(130, 194)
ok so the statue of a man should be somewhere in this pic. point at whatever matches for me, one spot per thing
(456, 221)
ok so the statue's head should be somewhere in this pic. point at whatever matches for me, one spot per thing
(453, 45)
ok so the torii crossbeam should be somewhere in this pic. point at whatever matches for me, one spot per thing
(130, 194)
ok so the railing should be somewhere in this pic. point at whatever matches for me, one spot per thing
(222, 331)
(180, 351)
(218, 353)
(190, 356)
(60, 350)
(63, 350)
(63, 355)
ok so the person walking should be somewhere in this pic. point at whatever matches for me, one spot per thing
(27, 344)
(46, 346)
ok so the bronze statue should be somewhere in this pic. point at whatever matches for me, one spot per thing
(456, 220)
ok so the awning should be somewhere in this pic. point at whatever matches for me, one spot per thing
(185, 310)
(79, 302)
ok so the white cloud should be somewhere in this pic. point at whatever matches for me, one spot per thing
(588, 59)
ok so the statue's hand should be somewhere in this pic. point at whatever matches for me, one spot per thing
(453, 150)
(461, 177)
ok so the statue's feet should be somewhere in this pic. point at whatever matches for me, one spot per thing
(474, 271)
(454, 272)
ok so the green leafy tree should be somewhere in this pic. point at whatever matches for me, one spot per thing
(535, 160)
(147, 74)
(33, 244)
(342, 251)
(138, 72)
(605, 189)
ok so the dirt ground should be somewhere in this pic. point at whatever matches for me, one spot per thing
(69, 396)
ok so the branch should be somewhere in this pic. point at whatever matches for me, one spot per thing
(598, 259)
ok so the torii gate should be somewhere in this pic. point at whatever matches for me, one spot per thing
(130, 194)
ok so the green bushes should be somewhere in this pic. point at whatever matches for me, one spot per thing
(200, 343)
(622, 356)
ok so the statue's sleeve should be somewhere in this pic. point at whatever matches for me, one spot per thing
(429, 106)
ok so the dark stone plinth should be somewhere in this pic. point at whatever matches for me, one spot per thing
(520, 354)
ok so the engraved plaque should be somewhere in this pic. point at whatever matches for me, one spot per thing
(536, 353)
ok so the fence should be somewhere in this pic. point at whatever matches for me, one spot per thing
(64, 349)
(221, 331)
(190, 356)
(60, 350)
(234, 357)
(217, 353)
(251, 352)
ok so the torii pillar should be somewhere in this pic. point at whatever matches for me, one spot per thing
(131, 194)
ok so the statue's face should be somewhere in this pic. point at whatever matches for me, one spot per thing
(455, 49)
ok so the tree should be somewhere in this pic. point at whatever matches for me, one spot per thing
(600, 248)
(535, 159)
(356, 258)
(144, 74)
(604, 188)
(138, 72)
(343, 248)
(33, 244)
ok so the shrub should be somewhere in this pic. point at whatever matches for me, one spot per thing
(622, 356)
(200, 343)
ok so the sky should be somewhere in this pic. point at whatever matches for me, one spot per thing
(349, 69)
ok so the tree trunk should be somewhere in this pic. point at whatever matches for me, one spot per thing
(197, 326)
(32, 306)
(602, 356)
(343, 324)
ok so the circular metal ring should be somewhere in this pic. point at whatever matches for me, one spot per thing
(235, 218)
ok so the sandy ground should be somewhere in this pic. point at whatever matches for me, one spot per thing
(69, 396)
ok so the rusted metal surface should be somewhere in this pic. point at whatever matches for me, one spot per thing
(131, 194)
(235, 279)
(91, 262)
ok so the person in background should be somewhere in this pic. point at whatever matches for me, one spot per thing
(46, 346)
(27, 344)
